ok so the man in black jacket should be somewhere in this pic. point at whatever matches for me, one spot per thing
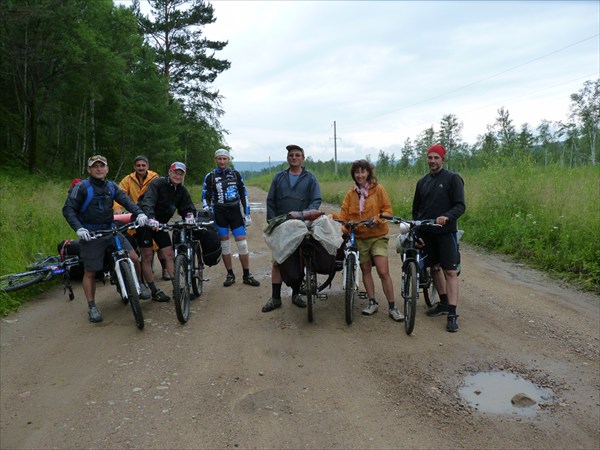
(164, 196)
(89, 207)
(440, 195)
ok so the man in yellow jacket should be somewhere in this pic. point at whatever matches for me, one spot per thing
(134, 185)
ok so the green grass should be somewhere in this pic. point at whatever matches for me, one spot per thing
(549, 218)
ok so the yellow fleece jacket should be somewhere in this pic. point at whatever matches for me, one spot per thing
(133, 188)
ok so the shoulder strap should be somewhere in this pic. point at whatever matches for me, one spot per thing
(90, 193)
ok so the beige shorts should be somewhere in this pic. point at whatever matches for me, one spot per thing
(377, 246)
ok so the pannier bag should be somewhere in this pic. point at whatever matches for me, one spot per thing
(68, 248)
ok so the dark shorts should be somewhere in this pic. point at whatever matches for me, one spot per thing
(145, 236)
(92, 252)
(441, 249)
(230, 218)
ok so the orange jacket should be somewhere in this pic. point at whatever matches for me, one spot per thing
(133, 188)
(377, 202)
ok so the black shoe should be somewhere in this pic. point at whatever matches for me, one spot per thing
(437, 310)
(250, 280)
(160, 296)
(229, 280)
(452, 325)
(298, 301)
(272, 304)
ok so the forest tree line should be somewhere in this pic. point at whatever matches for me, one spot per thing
(84, 77)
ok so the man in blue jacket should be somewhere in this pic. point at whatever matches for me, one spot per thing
(292, 189)
(89, 207)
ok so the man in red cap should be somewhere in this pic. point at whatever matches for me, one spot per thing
(440, 195)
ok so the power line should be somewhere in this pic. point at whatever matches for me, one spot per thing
(499, 73)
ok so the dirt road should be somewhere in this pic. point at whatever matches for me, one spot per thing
(235, 377)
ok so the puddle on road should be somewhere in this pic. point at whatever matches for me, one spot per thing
(503, 393)
(257, 207)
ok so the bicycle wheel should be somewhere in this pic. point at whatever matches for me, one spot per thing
(349, 285)
(410, 291)
(132, 294)
(311, 286)
(16, 281)
(429, 290)
(181, 289)
(197, 271)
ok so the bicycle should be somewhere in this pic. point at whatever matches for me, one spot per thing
(412, 266)
(42, 270)
(121, 271)
(350, 268)
(189, 265)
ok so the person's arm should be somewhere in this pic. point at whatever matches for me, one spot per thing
(314, 193)
(124, 184)
(73, 204)
(207, 190)
(416, 203)
(386, 204)
(457, 198)
(148, 200)
(186, 205)
(272, 198)
(123, 199)
(243, 193)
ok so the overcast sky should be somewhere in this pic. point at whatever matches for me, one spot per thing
(384, 71)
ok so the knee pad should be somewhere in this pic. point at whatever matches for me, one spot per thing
(242, 246)
(225, 247)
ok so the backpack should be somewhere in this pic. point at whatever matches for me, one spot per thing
(90, 192)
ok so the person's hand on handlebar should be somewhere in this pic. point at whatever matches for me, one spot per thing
(141, 220)
(190, 219)
(442, 220)
(84, 234)
(153, 223)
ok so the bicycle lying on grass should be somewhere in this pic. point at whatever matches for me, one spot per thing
(413, 267)
(44, 269)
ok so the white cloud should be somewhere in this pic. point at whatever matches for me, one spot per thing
(385, 70)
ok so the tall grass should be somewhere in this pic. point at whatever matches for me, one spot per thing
(548, 217)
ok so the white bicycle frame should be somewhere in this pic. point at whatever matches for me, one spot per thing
(117, 269)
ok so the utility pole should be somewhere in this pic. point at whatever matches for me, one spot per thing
(335, 138)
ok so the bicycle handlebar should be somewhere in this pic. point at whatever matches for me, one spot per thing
(182, 224)
(412, 223)
(115, 229)
(351, 225)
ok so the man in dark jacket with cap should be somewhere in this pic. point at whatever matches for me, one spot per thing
(89, 207)
(293, 189)
(164, 196)
(440, 195)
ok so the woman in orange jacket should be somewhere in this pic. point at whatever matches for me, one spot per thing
(366, 200)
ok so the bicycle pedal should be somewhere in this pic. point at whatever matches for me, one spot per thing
(362, 295)
(322, 297)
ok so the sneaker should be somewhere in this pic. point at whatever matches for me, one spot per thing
(452, 325)
(272, 304)
(166, 276)
(298, 301)
(371, 309)
(229, 280)
(94, 314)
(145, 293)
(251, 281)
(396, 315)
(160, 296)
(437, 310)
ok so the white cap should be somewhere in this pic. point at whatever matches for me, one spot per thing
(222, 152)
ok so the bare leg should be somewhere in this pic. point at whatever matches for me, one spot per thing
(368, 279)
(147, 254)
(452, 286)
(383, 270)
(89, 285)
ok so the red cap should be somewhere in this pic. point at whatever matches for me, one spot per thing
(437, 148)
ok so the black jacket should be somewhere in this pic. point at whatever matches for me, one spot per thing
(162, 199)
(439, 194)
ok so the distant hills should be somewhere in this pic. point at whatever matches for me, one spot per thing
(254, 166)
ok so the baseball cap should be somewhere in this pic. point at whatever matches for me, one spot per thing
(97, 158)
(291, 147)
(222, 152)
(178, 166)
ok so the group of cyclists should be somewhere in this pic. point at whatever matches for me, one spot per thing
(152, 200)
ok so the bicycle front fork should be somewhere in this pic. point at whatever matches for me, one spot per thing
(119, 275)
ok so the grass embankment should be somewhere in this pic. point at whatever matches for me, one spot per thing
(547, 217)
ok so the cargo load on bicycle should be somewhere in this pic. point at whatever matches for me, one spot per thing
(208, 238)
(284, 235)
